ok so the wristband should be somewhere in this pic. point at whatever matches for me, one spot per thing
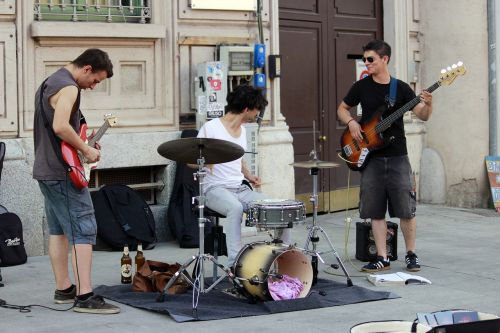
(349, 121)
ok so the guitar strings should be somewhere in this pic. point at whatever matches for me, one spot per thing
(407, 107)
(449, 75)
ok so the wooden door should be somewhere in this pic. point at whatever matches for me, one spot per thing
(320, 41)
(303, 46)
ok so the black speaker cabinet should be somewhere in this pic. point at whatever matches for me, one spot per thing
(365, 243)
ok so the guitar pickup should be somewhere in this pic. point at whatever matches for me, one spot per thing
(347, 150)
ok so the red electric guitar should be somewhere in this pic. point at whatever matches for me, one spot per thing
(356, 153)
(80, 169)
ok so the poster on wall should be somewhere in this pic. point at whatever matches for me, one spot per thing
(493, 169)
(361, 73)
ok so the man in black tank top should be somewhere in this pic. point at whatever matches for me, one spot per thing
(69, 210)
(386, 181)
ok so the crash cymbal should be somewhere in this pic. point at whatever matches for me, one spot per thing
(189, 150)
(315, 164)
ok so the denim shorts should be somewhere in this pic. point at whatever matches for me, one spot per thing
(387, 184)
(69, 211)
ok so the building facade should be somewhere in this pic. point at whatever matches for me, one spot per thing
(155, 47)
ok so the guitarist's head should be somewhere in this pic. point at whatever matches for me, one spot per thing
(90, 68)
(376, 56)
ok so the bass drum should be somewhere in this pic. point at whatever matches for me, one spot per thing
(256, 262)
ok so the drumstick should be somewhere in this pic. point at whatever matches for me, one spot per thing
(259, 188)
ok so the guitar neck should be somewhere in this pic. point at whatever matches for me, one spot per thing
(100, 132)
(387, 122)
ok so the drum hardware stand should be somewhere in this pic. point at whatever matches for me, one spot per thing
(312, 235)
(314, 238)
(201, 256)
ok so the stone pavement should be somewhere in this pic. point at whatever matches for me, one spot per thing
(458, 249)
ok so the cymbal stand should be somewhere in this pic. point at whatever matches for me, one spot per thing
(312, 236)
(198, 283)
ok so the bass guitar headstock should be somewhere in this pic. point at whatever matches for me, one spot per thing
(449, 74)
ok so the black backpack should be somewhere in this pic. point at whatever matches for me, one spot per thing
(12, 251)
(123, 217)
(182, 218)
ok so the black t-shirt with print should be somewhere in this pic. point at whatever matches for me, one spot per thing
(372, 95)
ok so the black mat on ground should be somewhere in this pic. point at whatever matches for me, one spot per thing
(217, 304)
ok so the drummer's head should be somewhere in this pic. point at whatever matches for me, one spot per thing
(246, 99)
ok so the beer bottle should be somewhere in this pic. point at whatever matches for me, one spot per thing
(126, 263)
(139, 258)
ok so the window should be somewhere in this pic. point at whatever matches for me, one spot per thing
(111, 11)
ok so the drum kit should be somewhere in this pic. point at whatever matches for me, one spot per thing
(257, 264)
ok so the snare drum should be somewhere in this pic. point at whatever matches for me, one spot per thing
(275, 213)
(258, 262)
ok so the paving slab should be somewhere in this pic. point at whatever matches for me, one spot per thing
(458, 249)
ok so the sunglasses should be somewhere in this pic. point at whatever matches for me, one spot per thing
(369, 59)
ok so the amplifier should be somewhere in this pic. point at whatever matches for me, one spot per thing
(365, 243)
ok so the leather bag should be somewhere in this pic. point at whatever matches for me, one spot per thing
(154, 275)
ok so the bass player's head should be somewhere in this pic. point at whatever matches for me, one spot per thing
(376, 56)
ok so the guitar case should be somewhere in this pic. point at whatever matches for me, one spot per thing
(123, 218)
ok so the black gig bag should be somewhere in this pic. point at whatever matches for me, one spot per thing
(12, 251)
(182, 219)
(123, 217)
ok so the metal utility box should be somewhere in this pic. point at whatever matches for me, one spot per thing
(210, 91)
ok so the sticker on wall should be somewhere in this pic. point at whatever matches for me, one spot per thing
(493, 169)
(216, 85)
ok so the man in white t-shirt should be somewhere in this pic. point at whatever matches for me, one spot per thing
(224, 189)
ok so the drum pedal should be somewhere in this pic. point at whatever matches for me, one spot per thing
(334, 266)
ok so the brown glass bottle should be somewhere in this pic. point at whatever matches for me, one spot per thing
(139, 258)
(126, 266)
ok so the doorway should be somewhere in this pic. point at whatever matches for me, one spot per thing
(320, 41)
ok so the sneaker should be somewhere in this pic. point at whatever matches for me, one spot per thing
(95, 304)
(411, 260)
(65, 297)
(378, 265)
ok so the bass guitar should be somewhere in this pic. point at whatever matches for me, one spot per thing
(80, 169)
(356, 154)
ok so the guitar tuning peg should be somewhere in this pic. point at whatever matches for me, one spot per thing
(460, 63)
(443, 71)
(454, 66)
(448, 68)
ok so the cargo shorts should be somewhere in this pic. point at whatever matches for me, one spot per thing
(387, 184)
(69, 211)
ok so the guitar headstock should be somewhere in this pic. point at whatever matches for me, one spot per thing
(449, 74)
(110, 119)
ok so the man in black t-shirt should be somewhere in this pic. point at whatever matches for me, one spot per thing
(386, 181)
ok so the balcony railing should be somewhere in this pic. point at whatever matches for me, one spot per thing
(111, 11)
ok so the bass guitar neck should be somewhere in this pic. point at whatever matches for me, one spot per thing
(356, 154)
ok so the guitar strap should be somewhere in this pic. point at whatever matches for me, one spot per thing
(393, 88)
(55, 141)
